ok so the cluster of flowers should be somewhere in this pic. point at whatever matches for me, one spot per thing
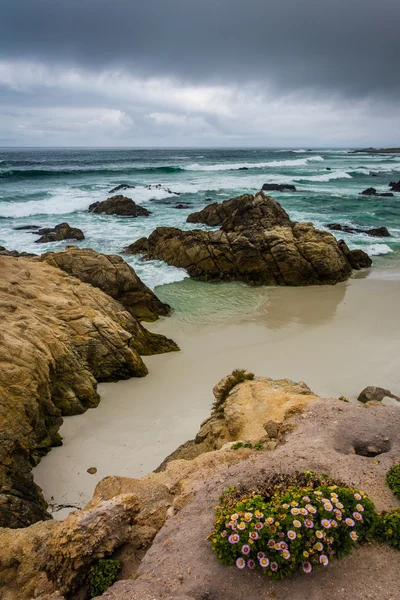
(298, 528)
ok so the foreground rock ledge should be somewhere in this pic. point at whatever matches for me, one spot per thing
(157, 525)
(257, 244)
(58, 338)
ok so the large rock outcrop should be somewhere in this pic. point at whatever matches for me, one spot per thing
(257, 244)
(119, 205)
(113, 276)
(58, 337)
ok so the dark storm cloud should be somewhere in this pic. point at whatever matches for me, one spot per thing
(351, 47)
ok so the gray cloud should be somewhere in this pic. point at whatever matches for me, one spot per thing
(346, 46)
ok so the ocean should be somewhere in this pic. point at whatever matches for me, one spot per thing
(48, 186)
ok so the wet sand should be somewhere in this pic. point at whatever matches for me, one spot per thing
(337, 339)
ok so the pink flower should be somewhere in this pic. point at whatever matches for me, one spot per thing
(271, 543)
(245, 549)
(264, 562)
(240, 563)
(260, 555)
(274, 566)
(307, 568)
(357, 516)
(233, 538)
(324, 560)
(291, 534)
(349, 522)
(251, 564)
(308, 523)
(253, 535)
(326, 523)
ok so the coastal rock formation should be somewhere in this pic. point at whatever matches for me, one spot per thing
(395, 186)
(375, 394)
(113, 276)
(58, 337)
(372, 192)
(358, 259)
(60, 232)
(278, 187)
(374, 232)
(26, 227)
(257, 244)
(377, 151)
(165, 553)
(15, 253)
(119, 205)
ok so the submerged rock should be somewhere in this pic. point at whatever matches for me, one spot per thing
(58, 338)
(257, 244)
(395, 186)
(119, 205)
(372, 192)
(376, 394)
(60, 232)
(113, 276)
(26, 227)
(278, 187)
(122, 186)
(375, 232)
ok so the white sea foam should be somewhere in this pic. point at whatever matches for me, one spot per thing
(339, 174)
(298, 162)
(373, 249)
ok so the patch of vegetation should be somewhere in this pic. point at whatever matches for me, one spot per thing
(102, 575)
(291, 523)
(258, 446)
(343, 399)
(237, 376)
(393, 479)
(388, 528)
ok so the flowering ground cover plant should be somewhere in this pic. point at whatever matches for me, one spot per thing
(393, 479)
(388, 528)
(296, 523)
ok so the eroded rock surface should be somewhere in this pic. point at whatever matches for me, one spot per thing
(257, 243)
(113, 276)
(375, 394)
(119, 205)
(58, 337)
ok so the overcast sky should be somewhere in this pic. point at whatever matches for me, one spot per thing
(199, 73)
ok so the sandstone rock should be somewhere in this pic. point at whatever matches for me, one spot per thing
(272, 428)
(113, 276)
(278, 187)
(15, 253)
(119, 205)
(395, 186)
(358, 259)
(243, 213)
(374, 232)
(58, 337)
(60, 232)
(377, 394)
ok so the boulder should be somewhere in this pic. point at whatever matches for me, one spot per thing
(257, 244)
(58, 338)
(122, 186)
(395, 186)
(182, 205)
(119, 205)
(376, 394)
(358, 259)
(243, 213)
(60, 232)
(278, 187)
(26, 227)
(112, 275)
(375, 232)
(243, 169)
(15, 253)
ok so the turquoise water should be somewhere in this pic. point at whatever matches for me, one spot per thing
(47, 186)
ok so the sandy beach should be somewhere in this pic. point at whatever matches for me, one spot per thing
(338, 339)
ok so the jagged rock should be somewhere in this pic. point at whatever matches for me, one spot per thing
(119, 205)
(395, 186)
(113, 276)
(60, 232)
(358, 259)
(278, 187)
(58, 337)
(375, 232)
(376, 394)
(122, 186)
(243, 213)
(158, 186)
